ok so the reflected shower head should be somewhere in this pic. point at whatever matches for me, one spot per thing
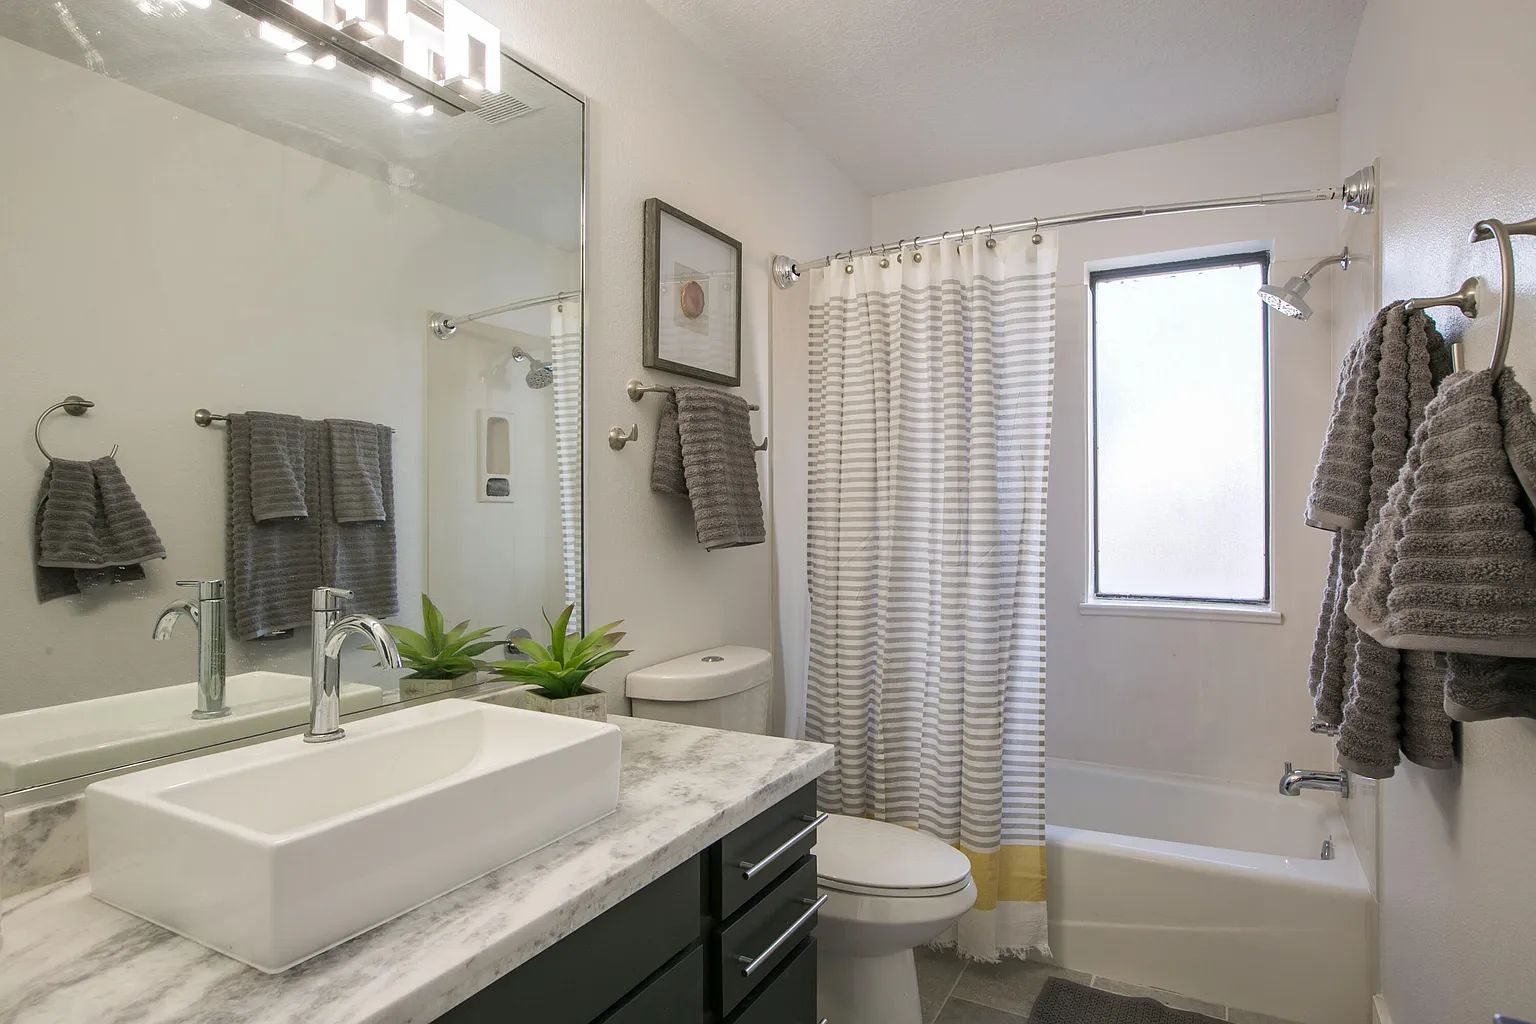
(540, 375)
(1290, 298)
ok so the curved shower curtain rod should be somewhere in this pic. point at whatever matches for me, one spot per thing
(444, 325)
(1358, 194)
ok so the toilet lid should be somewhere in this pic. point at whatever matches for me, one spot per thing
(863, 855)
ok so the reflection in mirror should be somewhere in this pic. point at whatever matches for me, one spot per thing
(257, 208)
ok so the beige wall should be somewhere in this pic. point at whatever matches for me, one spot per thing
(1216, 698)
(1443, 94)
(668, 122)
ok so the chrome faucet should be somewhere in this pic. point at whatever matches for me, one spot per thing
(207, 616)
(1297, 779)
(329, 631)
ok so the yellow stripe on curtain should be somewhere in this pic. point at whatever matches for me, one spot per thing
(1012, 874)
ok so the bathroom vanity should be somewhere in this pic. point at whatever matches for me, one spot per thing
(643, 916)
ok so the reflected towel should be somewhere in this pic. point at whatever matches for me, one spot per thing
(89, 529)
(360, 555)
(278, 466)
(712, 441)
(270, 566)
(356, 469)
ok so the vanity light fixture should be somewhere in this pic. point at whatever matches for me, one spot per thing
(421, 59)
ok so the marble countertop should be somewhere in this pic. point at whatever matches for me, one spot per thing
(66, 958)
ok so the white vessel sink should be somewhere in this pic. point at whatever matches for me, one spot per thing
(275, 852)
(68, 740)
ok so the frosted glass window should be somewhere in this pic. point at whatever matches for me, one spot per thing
(1181, 414)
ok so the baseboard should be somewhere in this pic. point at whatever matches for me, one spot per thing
(1379, 1012)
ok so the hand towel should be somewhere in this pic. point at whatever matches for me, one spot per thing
(356, 468)
(270, 566)
(1479, 687)
(89, 529)
(278, 466)
(1461, 577)
(719, 463)
(1386, 382)
(360, 555)
(667, 457)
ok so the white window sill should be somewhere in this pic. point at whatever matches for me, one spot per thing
(1171, 610)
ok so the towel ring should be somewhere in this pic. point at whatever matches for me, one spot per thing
(72, 404)
(1500, 232)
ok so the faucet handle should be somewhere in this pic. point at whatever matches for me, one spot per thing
(324, 599)
(1289, 767)
(207, 590)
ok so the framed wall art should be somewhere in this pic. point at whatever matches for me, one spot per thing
(692, 297)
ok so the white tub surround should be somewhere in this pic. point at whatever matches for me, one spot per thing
(69, 957)
(1207, 888)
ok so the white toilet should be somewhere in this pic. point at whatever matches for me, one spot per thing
(889, 889)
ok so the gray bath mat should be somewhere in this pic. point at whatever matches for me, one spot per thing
(1067, 1002)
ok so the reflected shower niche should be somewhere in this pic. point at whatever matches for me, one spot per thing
(265, 207)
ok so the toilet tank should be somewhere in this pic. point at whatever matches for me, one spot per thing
(721, 688)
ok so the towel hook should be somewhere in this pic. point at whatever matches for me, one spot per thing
(72, 404)
(1500, 232)
(617, 438)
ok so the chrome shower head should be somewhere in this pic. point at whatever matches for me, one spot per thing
(1290, 298)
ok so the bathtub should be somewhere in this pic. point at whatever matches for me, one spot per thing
(1212, 889)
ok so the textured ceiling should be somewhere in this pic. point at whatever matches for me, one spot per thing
(903, 93)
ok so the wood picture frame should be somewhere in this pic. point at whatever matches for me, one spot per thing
(692, 297)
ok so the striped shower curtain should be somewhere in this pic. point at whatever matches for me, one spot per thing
(565, 355)
(929, 441)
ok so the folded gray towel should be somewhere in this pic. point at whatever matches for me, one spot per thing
(278, 466)
(361, 555)
(356, 470)
(667, 457)
(1385, 385)
(89, 529)
(1461, 577)
(712, 441)
(270, 566)
(1341, 482)
(1479, 687)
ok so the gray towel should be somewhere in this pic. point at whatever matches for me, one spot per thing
(357, 469)
(1479, 687)
(708, 434)
(1461, 577)
(270, 566)
(278, 466)
(1385, 385)
(360, 555)
(89, 529)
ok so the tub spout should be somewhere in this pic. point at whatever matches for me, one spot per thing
(1297, 779)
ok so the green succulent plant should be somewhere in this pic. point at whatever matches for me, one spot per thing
(440, 653)
(561, 669)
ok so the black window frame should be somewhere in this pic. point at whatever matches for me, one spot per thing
(1240, 259)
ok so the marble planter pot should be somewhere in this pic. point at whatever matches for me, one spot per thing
(591, 705)
(411, 687)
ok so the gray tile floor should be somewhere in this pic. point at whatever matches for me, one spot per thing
(956, 992)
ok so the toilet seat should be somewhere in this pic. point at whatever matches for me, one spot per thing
(873, 858)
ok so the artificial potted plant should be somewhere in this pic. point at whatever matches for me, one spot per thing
(559, 671)
(440, 659)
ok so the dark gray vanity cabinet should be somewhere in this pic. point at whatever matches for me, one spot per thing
(725, 938)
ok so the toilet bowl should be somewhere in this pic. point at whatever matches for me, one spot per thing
(889, 889)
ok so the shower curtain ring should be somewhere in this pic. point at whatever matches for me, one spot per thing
(991, 237)
(885, 260)
(917, 257)
(1037, 238)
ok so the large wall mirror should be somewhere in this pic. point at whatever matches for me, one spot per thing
(350, 231)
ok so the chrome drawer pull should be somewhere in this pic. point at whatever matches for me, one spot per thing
(750, 870)
(753, 963)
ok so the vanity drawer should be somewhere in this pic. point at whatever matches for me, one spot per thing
(673, 996)
(748, 860)
(584, 975)
(748, 948)
(788, 996)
